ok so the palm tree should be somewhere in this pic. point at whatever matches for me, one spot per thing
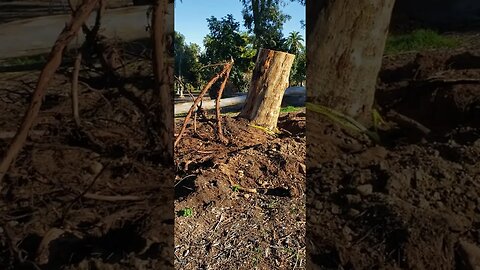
(294, 42)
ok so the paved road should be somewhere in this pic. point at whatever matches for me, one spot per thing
(37, 35)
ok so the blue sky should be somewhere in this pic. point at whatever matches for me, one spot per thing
(191, 17)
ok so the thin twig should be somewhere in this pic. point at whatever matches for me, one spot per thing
(65, 212)
(110, 198)
(214, 65)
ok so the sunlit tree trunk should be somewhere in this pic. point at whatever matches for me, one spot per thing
(269, 82)
(345, 44)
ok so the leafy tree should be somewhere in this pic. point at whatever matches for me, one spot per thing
(225, 41)
(294, 42)
(187, 61)
(294, 45)
(265, 20)
(298, 74)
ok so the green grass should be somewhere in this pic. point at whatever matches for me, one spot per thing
(233, 114)
(25, 60)
(290, 109)
(187, 212)
(417, 40)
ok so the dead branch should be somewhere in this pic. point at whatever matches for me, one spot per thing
(408, 122)
(109, 198)
(74, 90)
(54, 60)
(452, 80)
(89, 40)
(69, 206)
(219, 96)
(197, 100)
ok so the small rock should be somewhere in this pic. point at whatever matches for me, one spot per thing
(314, 219)
(302, 168)
(477, 143)
(13, 223)
(318, 205)
(457, 223)
(353, 212)
(336, 209)
(353, 199)
(365, 190)
(94, 155)
(348, 233)
(95, 168)
(423, 203)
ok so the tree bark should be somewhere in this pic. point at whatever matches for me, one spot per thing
(345, 47)
(268, 84)
(163, 64)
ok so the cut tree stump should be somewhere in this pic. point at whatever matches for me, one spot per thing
(269, 82)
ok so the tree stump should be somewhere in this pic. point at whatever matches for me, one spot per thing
(268, 84)
(345, 49)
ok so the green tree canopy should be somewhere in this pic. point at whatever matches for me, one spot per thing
(294, 43)
(265, 19)
(225, 41)
(187, 61)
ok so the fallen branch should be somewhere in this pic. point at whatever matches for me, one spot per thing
(406, 121)
(109, 198)
(54, 60)
(197, 100)
(74, 90)
(90, 39)
(222, 137)
(237, 187)
(69, 206)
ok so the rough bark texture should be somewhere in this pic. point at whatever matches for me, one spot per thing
(344, 49)
(54, 61)
(269, 82)
(163, 64)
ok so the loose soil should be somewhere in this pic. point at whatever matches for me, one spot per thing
(88, 198)
(411, 202)
(235, 229)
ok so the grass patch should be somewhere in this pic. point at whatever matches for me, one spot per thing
(417, 40)
(290, 109)
(235, 112)
(187, 212)
(25, 60)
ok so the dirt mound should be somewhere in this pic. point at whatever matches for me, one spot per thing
(247, 197)
(408, 204)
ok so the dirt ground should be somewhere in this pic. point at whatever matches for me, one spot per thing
(88, 198)
(411, 202)
(235, 229)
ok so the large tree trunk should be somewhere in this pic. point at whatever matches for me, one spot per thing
(345, 47)
(163, 64)
(269, 82)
